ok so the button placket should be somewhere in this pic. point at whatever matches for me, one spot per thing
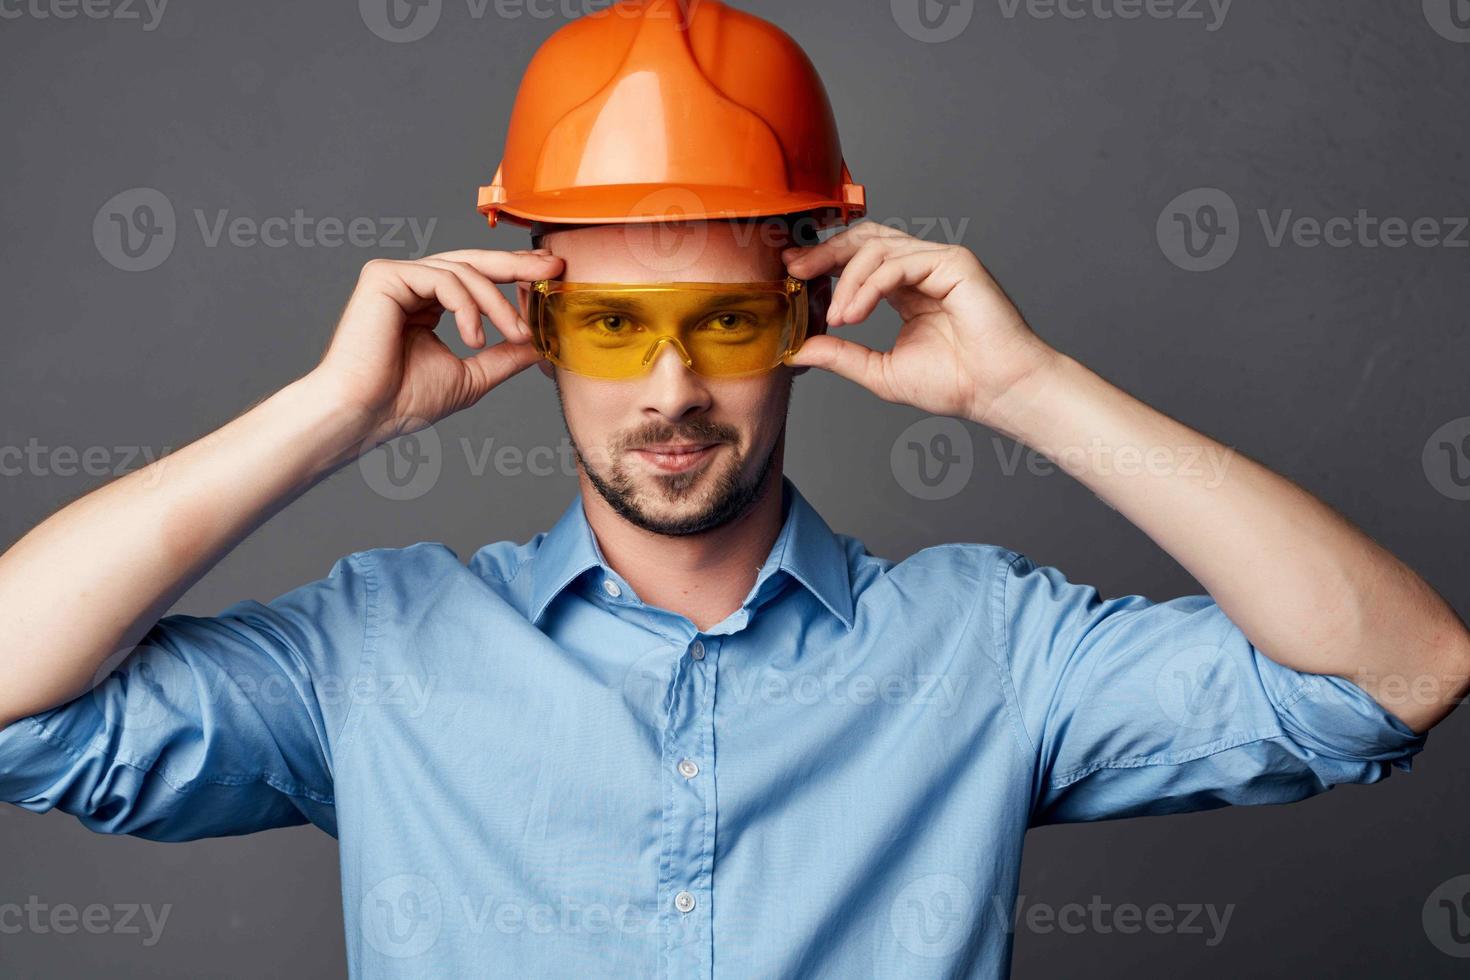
(689, 818)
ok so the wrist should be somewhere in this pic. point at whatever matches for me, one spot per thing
(1013, 410)
(341, 427)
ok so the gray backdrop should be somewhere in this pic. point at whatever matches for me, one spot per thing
(1055, 141)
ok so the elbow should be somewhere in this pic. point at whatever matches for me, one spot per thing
(1457, 656)
(1443, 680)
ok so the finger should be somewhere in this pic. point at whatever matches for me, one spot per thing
(426, 319)
(845, 358)
(496, 364)
(475, 336)
(415, 286)
(490, 299)
(505, 267)
(921, 269)
(857, 269)
(832, 254)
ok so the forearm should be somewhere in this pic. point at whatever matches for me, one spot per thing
(91, 579)
(1306, 587)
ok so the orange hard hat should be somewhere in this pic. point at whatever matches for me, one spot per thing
(653, 110)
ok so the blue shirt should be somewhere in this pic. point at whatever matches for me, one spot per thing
(533, 773)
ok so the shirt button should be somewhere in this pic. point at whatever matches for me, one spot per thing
(684, 901)
(688, 769)
(611, 588)
(698, 651)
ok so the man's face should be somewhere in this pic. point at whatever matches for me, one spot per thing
(615, 425)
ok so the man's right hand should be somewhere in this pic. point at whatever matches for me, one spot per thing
(90, 580)
(385, 360)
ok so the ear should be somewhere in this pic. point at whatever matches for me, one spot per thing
(523, 300)
(818, 298)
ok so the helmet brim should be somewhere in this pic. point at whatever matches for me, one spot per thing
(640, 203)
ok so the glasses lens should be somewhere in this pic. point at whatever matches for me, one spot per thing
(721, 330)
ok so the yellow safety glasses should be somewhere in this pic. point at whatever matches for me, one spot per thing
(719, 329)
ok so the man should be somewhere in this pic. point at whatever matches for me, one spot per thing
(690, 731)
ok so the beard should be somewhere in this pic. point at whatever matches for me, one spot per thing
(719, 496)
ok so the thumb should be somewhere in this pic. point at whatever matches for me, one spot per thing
(846, 358)
(497, 364)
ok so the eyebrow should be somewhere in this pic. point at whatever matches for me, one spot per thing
(602, 301)
(610, 301)
(732, 299)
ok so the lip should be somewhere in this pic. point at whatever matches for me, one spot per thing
(677, 458)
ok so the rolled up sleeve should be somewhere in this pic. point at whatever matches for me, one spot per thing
(1137, 707)
(211, 726)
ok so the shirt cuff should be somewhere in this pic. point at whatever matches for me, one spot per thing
(33, 760)
(1335, 718)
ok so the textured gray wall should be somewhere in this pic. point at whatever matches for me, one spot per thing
(1054, 140)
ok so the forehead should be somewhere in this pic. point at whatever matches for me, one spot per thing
(690, 251)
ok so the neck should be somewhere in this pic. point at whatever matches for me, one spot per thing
(704, 577)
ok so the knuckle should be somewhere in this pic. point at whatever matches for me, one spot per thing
(964, 255)
(880, 229)
(445, 279)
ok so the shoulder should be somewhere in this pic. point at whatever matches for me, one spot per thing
(414, 561)
(412, 575)
(964, 580)
(963, 564)
(404, 584)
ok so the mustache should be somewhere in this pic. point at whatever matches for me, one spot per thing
(687, 432)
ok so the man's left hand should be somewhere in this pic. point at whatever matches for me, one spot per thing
(963, 343)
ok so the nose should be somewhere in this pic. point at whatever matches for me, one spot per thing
(670, 388)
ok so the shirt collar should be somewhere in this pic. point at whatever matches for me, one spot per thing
(806, 549)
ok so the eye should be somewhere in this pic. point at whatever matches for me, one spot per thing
(730, 322)
(611, 323)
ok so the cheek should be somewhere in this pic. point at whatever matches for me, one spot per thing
(759, 410)
(595, 412)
